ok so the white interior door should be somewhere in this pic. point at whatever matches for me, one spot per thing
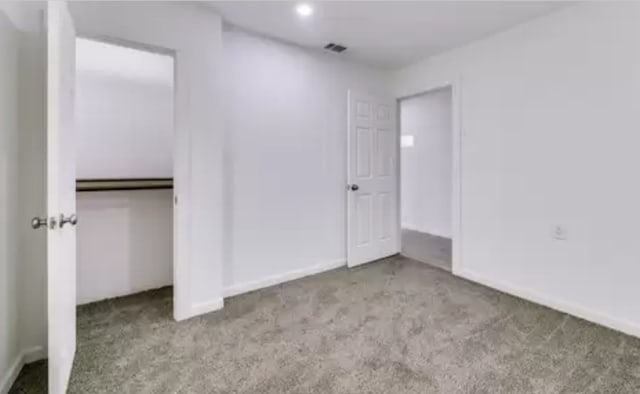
(61, 196)
(372, 192)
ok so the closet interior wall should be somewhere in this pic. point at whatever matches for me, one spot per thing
(124, 120)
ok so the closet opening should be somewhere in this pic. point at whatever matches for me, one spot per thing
(124, 125)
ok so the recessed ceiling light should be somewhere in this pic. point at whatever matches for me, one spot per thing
(304, 10)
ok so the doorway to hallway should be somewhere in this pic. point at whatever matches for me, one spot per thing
(426, 176)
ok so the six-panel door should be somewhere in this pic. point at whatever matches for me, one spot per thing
(372, 177)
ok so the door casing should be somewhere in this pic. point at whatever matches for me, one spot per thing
(456, 176)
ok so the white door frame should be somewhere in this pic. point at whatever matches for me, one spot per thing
(456, 179)
(181, 182)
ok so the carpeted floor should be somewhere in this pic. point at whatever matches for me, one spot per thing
(427, 248)
(395, 326)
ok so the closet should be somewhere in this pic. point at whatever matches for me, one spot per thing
(124, 166)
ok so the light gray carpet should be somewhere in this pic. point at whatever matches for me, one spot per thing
(396, 326)
(427, 248)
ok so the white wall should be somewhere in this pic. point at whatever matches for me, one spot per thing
(426, 176)
(124, 115)
(285, 158)
(32, 182)
(549, 117)
(125, 243)
(124, 128)
(23, 170)
(9, 257)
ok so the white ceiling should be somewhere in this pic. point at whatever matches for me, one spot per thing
(382, 33)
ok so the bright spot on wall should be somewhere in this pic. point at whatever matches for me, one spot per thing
(406, 141)
(304, 10)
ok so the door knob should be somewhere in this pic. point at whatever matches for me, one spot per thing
(71, 219)
(354, 187)
(37, 222)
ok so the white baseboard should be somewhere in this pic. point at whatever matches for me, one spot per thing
(281, 278)
(24, 357)
(206, 307)
(202, 308)
(11, 375)
(560, 305)
(33, 354)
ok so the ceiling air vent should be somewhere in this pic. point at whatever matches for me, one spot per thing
(337, 48)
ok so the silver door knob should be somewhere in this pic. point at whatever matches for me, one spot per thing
(37, 222)
(71, 219)
(354, 187)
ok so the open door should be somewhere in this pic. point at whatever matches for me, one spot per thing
(372, 192)
(61, 196)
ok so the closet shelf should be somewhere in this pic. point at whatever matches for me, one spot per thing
(104, 185)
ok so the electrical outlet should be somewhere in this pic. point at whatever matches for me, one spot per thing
(559, 233)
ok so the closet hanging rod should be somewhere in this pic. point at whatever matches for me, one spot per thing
(103, 185)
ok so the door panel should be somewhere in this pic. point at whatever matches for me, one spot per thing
(363, 155)
(61, 236)
(363, 209)
(384, 153)
(385, 209)
(372, 215)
